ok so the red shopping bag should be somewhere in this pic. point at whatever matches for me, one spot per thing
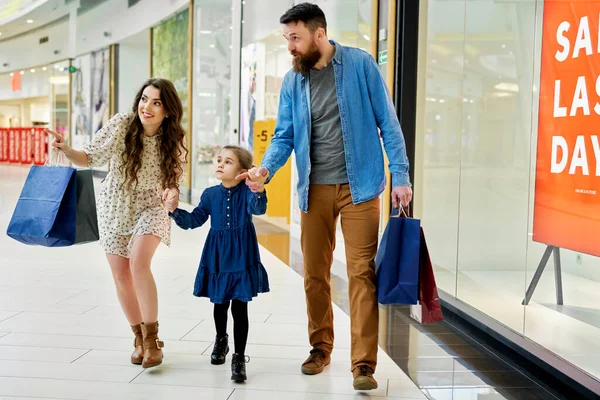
(429, 308)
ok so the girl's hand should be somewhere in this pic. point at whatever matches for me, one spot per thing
(255, 187)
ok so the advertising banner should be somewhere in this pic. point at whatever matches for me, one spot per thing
(26, 145)
(567, 185)
(14, 139)
(3, 145)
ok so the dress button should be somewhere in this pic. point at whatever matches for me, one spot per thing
(227, 215)
(228, 224)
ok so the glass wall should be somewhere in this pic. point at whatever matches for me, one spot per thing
(476, 170)
(133, 68)
(212, 128)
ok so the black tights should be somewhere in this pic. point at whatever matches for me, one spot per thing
(239, 311)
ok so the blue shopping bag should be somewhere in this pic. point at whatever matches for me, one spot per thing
(397, 262)
(45, 214)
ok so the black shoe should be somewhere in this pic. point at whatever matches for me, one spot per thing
(220, 350)
(238, 367)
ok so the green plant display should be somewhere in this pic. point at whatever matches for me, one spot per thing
(170, 55)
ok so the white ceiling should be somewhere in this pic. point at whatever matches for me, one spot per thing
(15, 13)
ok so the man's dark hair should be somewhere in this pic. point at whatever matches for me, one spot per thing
(312, 16)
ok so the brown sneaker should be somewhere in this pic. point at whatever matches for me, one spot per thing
(315, 363)
(363, 378)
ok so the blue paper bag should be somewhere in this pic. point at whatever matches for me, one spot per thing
(397, 262)
(45, 214)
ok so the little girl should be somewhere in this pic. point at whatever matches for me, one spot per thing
(230, 269)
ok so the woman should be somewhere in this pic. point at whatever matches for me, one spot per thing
(147, 154)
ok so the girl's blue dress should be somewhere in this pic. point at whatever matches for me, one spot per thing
(230, 266)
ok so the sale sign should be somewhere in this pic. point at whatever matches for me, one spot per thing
(567, 185)
(26, 145)
(14, 140)
(3, 144)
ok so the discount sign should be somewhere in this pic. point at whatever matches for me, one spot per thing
(567, 186)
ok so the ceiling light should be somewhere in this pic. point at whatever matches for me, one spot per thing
(0, 33)
(12, 73)
(367, 38)
(30, 21)
(44, 68)
(59, 80)
(205, 32)
(32, 70)
(22, 72)
(510, 87)
(212, 46)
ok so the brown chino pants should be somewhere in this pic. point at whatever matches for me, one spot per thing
(360, 225)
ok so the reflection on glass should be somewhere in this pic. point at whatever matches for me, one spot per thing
(212, 89)
(439, 135)
(494, 158)
(59, 80)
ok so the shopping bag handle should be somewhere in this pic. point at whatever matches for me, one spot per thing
(400, 212)
(59, 155)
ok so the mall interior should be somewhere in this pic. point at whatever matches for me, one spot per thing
(468, 81)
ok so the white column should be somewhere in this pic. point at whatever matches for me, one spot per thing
(236, 55)
(72, 48)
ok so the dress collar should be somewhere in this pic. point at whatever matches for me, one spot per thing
(233, 189)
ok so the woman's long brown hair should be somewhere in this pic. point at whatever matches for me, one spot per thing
(172, 146)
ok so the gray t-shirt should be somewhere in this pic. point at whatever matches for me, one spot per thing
(327, 155)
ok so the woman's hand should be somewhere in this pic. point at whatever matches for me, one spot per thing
(59, 142)
(171, 199)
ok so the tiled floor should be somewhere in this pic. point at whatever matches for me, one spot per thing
(63, 336)
(444, 361)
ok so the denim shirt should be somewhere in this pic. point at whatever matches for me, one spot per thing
(365, 104)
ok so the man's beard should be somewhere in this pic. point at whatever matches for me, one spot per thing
(304, 62)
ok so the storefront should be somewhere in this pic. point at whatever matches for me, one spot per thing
(30, 100)
(481, 185)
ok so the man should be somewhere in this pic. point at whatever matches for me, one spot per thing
(331, 104)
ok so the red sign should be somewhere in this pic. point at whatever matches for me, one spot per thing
(3, 144)
(14, 139)
(40, 147)
(15, 82)
(567, 186)
(26, 145)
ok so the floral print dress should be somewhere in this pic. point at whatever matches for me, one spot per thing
(123, 213)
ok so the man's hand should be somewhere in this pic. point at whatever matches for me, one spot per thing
(255, 178)
(401, 196)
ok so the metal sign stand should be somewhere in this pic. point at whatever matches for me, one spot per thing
(538, 274)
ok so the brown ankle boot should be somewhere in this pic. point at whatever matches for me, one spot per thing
(138, 354)
(153, 354)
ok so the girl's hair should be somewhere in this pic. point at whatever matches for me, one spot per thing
(244, 156)
(172, 146)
